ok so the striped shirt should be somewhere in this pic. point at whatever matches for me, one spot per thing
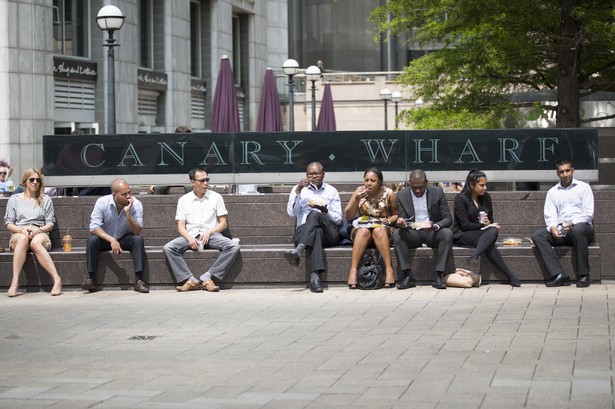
(105, 216)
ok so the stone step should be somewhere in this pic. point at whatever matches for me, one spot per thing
(265, 265)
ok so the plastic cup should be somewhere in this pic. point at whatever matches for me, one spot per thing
(67, 241)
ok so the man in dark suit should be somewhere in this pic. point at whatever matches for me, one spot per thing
(424, 217)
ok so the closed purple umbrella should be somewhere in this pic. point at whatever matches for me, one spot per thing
(269, 115)
(326, 117)
(224, 111)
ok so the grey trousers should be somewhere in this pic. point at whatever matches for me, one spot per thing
(175, 249)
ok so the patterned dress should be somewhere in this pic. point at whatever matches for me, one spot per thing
(378, 207)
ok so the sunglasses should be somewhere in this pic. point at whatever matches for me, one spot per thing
(2, 173)
(34, 180)
(201, 180)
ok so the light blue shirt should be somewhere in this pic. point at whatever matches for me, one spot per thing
(105, 216)
(421, 214)
(574, 203)
(299, 208)
(6, 186)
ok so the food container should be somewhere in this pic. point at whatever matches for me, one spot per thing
(511, 241)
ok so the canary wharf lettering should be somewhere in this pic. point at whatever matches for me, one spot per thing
(287, 152)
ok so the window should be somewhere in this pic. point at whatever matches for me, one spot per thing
(146, 34)
(237, 49)
(74, 95)
(195, 39)
(71, 27)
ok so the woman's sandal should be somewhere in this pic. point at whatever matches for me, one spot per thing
(389, 285)
(352, 286)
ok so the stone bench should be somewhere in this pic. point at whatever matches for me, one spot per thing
(265, 232)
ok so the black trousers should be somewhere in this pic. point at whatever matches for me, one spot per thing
(406, 239)
(579, 238)
(317, 233)
(129, 242)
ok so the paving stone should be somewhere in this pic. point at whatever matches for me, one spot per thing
(490, 347)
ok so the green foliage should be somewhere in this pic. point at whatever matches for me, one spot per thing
(488, 49)
(437, 117)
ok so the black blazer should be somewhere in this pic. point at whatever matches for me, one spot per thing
(437, 207)
(466, 213)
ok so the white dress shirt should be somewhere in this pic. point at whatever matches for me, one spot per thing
(574, 203)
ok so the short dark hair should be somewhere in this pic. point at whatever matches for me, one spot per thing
(418, 174)
(322, 168)
(197, 169)
(562, 162)
(183, 129)
(377, 171)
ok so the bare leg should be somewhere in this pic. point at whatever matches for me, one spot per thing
(38, 247)
(20, 246)
(360, 242)
(383, 244)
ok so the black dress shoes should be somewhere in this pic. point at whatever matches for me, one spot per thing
(292, 258)
(89, 285)
(141, 287)
(438, 283)
(406, 282)
(558, 281)
(315, 284)
(583, 281)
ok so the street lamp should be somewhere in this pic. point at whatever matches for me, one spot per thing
(110, 19)
(290, 68)
(396, 98)
(312, 73)
(385, 95)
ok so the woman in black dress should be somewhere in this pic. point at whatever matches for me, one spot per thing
(472, 230)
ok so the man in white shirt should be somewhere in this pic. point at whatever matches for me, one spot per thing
(201, 218)
(568, 213)
(318, 212)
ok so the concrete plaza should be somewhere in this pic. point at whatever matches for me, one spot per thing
(488, 347)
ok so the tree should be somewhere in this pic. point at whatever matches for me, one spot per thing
(488, 50)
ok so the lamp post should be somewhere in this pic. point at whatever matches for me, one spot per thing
(385, 95)
(290, 68)
(110, 19)
(396, 98)
(312, 73)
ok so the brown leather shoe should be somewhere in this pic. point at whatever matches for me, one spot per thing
(89, 285)
(141, 287)
(210, 286)
(189, 285)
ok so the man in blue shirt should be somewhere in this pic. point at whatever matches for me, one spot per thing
(568, 212)
(115, 225)
(318, 212)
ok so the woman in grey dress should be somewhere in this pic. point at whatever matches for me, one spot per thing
(30, 217)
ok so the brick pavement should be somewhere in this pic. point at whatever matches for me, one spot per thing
(488, 347)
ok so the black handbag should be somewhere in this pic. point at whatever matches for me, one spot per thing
(371, 271)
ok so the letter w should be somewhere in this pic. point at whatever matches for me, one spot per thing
(379, 147)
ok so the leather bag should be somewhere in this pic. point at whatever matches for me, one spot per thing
(371, 271)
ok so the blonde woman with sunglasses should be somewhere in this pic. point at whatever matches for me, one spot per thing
(30, 217)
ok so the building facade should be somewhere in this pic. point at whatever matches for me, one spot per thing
(53, 71)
